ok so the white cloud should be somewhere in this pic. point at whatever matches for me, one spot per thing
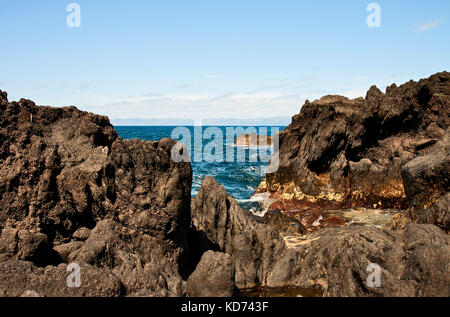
(206, 106)
(429, 25)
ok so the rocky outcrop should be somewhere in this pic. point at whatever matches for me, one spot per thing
(283, 223)
(427, 185)
(22, 278)
(340, 153)
(338, 261)
(341, 260)
(71, 190)
(252, 245)
(213, 276)
(252, 139)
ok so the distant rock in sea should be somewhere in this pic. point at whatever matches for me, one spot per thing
(252, 139)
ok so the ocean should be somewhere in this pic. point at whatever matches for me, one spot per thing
(239, 177)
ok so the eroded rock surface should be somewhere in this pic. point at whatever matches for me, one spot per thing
(213, 276)
(427, 185)
(22, 278)
(340, 153)
(337, 260)
(71, 190)
(252, 245)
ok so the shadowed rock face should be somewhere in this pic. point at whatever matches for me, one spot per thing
(213, 276)
(62, 169)
(253, 246)
(341, 153)
(427, 185)
(337, 261)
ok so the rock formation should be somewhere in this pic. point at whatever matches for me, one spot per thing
(252, 139)
(336, 260)
(71, 190)
(252, 245)
(213, 276)
(427, 185)
(340, 153)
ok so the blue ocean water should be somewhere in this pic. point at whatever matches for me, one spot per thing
(239, 178)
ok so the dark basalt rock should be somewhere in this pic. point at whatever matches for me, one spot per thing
(332, 261)
(21, 278)
(213, 276)
(62, 169)
(340, 153)
(337, 260)
(427, 185)
(283, 223)
(252, 245)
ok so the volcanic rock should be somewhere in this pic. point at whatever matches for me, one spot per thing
(340, 153)
(427, 185)
(213, 277)
(283, 223)
(252, 245)
(81, 234)
(22, 278)
(71, 190)
(340, 261)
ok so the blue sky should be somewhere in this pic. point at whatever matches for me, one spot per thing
(214, 58)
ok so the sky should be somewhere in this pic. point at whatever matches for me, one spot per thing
(214, 58)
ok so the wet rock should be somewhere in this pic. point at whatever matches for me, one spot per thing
(253, 246)
(213, 277)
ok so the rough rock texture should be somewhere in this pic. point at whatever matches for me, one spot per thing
(213, 277)
(64, 172)
(337, 260)
(427, 185)
(414, 262)
(21, 278)
(253, 246)
(284, 224)
(339, 153)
